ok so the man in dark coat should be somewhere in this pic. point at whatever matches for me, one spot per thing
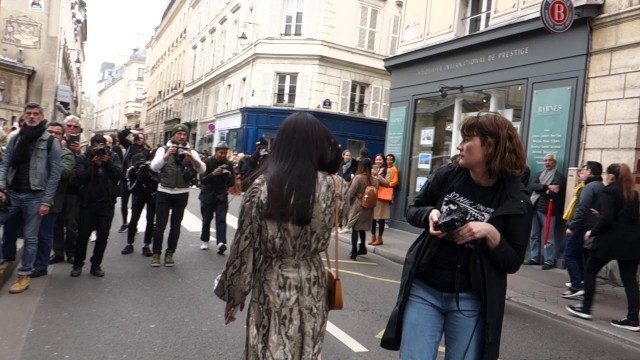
(547, 187)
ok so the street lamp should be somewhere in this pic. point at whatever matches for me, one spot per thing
(243, 37)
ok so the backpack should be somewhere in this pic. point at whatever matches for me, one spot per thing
(369, 197)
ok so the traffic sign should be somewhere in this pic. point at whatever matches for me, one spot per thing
(211, 127)
(557, 15)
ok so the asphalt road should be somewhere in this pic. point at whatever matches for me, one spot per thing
(140, 312)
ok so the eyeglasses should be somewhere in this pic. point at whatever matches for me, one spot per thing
(55, 132)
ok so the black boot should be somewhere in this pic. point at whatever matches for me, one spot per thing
(362, 250)
(354, 245)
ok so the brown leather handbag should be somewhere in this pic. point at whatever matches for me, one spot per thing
(334, 285)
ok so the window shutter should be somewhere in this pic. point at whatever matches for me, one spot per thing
(344, 96)
(375, 101)
(266, 92)
(395, 31)
(362, 29)
(385, 104)
(303, 89)
(373, 25)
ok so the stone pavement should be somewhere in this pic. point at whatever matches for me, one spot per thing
(536, 289)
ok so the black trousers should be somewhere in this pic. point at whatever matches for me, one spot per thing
(220, 208)
(65, 231)
(628, 270)
(165, 203)
(98, 217)
(138, 202)
(124, 200)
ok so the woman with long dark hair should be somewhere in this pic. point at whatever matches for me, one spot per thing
(616, 236)
(285, 223)
(477, 218)
(360, 217)
(381, 212)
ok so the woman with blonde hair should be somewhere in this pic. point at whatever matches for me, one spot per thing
(615, 236)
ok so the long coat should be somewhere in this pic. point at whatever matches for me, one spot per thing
(381, 211)
(359, 217)
(489, 267)
(617, 231)
(281, 265)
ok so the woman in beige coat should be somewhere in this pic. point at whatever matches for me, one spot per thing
(360, 217)
(381, 211)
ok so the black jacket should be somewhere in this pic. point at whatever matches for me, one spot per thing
(617, 231)
(541, 189)
(131, 149)
(351, 170)
(583, 219)
(489, 268)
(216, 188)
(98, 183)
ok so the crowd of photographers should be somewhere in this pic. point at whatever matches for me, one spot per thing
(59, 189)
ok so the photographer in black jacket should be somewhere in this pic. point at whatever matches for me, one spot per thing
(219, 176)
(98, 171)
(132, 147)
(142, 183)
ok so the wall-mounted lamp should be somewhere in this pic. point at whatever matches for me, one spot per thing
(443, 90)
(243, 36)
(485, 99)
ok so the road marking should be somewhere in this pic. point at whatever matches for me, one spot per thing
(351, 262)
(344, 338)
(369, 276)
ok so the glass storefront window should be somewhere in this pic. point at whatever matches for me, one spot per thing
(436, 126)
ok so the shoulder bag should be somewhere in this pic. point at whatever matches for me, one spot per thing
(334, 285)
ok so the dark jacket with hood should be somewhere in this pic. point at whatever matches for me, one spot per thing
(489, 267)
(583, 219)
(98, 183)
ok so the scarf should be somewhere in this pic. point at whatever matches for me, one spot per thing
(26, 137)
(346, 167)
(545, 178)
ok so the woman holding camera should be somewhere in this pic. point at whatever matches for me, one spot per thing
(477, 218)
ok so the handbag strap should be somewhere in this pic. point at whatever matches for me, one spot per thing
(335, 225)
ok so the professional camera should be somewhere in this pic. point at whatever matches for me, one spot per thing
(100, 150)
(145, 166)
(452, 220)
(180, 152)
(264, 152)
(136, 137)
(225, 168)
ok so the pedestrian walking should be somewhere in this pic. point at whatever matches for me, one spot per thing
(285, 224)
(615, 236)
(477, 218)
(360, 218)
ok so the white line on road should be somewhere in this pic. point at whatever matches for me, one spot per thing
(344, 338)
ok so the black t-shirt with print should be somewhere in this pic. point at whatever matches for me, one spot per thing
(475, 203)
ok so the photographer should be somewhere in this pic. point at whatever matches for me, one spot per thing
(132, 148)
(256, 159)
(177, 164)
(142, 183)
(98, 171)
(214, 196)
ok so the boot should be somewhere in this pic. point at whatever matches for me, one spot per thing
(378, 241)
(362, 250)
(373, 240)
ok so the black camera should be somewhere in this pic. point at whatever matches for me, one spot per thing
(225, 168)
(180, 152)
(145, 166)
(100, 149)
(452, 221)
(136, 137)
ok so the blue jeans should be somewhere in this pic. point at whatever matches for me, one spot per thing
(537, 233)
(29, 205)
(207, 210)
(429, 313)
(574, 258)
(45, 241)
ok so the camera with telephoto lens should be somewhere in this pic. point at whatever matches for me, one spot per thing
(145, 166)
(180, 152)
(225, 168)
(100, 150)
(452, 221)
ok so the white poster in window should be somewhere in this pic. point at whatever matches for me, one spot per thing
(424, 160)
(420, 181)
(36, 5)
(426, 136)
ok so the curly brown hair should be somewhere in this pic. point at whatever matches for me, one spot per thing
(505, 153)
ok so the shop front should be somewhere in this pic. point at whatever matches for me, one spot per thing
(534, 78)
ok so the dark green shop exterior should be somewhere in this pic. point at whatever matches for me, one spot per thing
(533, 77)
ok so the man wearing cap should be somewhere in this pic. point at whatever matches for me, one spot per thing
(219, 176)
(98, 172)
(177, 163)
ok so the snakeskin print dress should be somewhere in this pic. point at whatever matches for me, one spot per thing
(281, 265)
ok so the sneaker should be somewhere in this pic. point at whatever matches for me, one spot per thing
(572, 293)
(21, 284)
(123, 228)
(76, 271)
(625, 323)
(204, 246)
(222, 248)
(37, 273)
(344, 230)
(155, 260)
(579, 311)
(547, 266)
(168, 259)
(96, 270)
(567, 284)
(93, 236)
(531, 262)
(146, 252)
(128, 249)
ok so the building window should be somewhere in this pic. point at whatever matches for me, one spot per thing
(478, 15)
(293, 18)
(286, 90)
(393, 37)
(367, 28)
(216, 95)
(356, 98)
(140, 74)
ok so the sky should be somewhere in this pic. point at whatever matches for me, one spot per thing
(115, 28)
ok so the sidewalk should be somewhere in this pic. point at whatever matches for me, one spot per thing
(536, 289)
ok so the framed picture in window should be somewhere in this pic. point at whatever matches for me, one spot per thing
(424, 160)
(420, 181)
(426, 136)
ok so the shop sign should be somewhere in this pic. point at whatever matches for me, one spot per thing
(557, 15)
(326, 104)
(548, 127)
(395, 132)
